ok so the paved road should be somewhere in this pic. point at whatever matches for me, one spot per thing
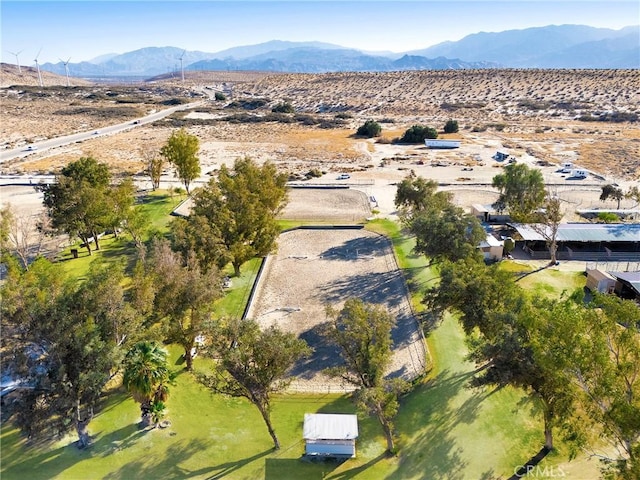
(84, 136)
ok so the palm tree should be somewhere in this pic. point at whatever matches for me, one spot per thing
(146, 377)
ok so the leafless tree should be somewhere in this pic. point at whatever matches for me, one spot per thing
(23, 235)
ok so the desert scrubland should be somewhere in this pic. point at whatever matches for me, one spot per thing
(542, 117)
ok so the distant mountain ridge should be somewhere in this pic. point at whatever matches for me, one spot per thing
(553, 46)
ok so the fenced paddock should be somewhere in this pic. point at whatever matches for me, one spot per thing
(326, 204)
(314, 267)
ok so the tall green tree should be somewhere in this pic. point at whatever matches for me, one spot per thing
(522, 191)
(181, 150)
(546, 222)
(613, 192)
(418, 134)
(369, 129)
(105, 300)
(450, 234)
(237, 213)
(524, 353)
(183, 295)
(253, 364)
(476, 292)
(451, 126)
(147, 377)
(78, 202)
(606, 368)
(417, 194)
(363, 333)
(121, 199)
(153, 166)
(59, 350)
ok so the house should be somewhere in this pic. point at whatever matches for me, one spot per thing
(599, 281)
(330, 435)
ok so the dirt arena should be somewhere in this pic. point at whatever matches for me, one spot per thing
(316, 267)
(327, 205)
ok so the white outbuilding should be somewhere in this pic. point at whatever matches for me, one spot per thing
(330, 435)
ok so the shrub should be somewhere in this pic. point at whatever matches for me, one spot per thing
(220, 96)
(451, 126)
(370, 129)
(174, 101)
(608, 217)
(418, 133)
(284, 107)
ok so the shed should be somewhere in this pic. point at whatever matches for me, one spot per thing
(600, 281)
(442, 143)
(330, 435)
(488, 213)
(492, 248)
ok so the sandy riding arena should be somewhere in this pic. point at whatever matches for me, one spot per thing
(330, 205)
(315, 267)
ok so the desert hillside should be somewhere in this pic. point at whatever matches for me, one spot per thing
(517, 94)
(589, 117)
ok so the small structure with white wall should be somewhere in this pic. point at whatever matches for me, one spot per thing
(566, 167)
(578, 173)
(599, 281)
(492, 248)
(330, 435)
(442, 143)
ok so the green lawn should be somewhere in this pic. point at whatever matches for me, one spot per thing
(156, 205)
(446, 430)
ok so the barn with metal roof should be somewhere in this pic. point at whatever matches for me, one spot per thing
(582, 241)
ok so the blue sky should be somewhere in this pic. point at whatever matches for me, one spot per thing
(83, 30)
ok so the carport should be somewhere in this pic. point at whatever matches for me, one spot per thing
(330, 435)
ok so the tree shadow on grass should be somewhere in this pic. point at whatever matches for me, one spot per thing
(434, 453)
(530, 465)
(225, 469)
(170, 464)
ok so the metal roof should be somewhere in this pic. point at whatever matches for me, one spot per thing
(491, 241)
(325, 426)
(633, 278)
(584, 232)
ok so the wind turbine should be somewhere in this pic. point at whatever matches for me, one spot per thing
(181, 67)
(17, 60)
(66, 68)
(38, 68)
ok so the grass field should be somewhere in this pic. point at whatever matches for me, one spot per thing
(446, 430)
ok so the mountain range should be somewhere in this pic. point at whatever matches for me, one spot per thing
(553, 46)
